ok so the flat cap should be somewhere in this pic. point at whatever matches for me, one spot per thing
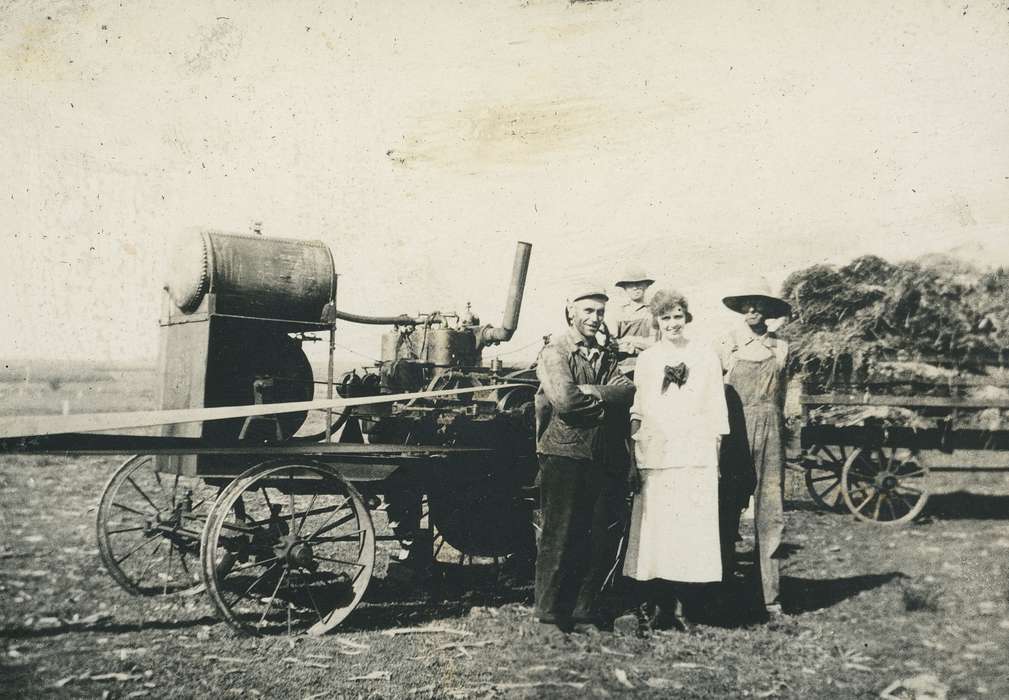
(587, 289)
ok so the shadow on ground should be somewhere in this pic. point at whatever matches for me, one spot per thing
(963, 505)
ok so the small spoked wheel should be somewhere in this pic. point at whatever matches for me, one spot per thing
(885, 485)
(288, 548)
(149, 527)
(823, 465)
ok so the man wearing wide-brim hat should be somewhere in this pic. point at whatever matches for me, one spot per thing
(634, 328)
(583, 463)
(752, 457)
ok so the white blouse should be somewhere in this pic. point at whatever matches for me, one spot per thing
(679, 427)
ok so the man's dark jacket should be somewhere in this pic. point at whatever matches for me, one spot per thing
(570, 423)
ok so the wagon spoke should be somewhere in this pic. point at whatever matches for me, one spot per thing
(349, 537)
(168, 573)
(252, 564)
(315, 605)
(247, 591)
(912, 489)
(830, 454)
(126, 529)
(879, 502)
(336, 509)
(332, 526)
(304, 516)
(150, 562)
(131, 510)
(130, 553)
(340, 561)
(144, 495)
(273, 598)
(913, 475)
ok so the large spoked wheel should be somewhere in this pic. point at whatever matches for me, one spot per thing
(885, 485)
(823, 465)
(149, 527)
(289, 547)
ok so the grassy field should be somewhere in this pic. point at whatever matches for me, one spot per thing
(867, 607)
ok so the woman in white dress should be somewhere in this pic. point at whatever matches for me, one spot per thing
(678, 417)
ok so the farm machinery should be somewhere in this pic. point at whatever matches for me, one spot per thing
(238, 495)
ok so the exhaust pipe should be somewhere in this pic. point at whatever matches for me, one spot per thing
(489, 335)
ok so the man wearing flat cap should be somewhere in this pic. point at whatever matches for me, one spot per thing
(583, 463)
(634, 329)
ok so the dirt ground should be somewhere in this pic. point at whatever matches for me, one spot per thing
(867, 606)
(69, 631)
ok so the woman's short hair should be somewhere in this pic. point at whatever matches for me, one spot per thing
(665, 300)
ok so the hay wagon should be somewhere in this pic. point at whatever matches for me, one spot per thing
(275, 523)
(878, 469)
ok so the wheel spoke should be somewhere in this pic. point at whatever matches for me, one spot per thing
(829, 488)
(824, 477)
(131, 510)
(168, 574)
(879, 502)
(336, 510)
(311, 598)
(125, 529)
(251, 564)
(332, 526)
(830, 454)
(130, 553)
(339, 561)
(262, 620)
(150, 563)
(912, 489)
(866, 502)
(349, 537)
(889, 506)
(253, 585)
(144, 495)
(304, 517)
(157, 478)
(913, 475)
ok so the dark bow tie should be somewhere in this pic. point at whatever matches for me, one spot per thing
(674, 375)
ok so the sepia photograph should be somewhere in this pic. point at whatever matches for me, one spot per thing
(504, 349)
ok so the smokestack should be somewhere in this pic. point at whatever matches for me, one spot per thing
(490, 335)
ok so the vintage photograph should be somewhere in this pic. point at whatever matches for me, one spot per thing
(504, 349)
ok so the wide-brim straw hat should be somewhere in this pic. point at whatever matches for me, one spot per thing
(634, 274)
(758, 290)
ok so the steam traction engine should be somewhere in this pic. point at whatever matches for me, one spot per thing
(275, 518)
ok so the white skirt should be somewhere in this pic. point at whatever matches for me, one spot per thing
(674, 526)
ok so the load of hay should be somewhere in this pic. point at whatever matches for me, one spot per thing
(934, 326)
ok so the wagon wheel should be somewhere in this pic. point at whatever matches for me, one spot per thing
(885, 485)
(289, 547)
(823, 465)
(149, 526)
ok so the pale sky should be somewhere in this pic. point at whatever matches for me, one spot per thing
(421, 139)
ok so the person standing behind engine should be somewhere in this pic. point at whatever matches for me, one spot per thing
(583, 464)
(634, 328)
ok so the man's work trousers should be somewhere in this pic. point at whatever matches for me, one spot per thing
(582, 525)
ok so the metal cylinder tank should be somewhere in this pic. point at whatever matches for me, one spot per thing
(254, 276)
(442, 347)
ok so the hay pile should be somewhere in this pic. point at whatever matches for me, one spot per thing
(849, 322)
(914, 328)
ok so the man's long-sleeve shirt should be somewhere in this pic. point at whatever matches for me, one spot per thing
(570, 423)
